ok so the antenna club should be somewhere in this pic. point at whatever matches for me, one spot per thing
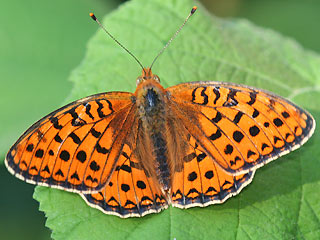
(193, 9)
(93, 16)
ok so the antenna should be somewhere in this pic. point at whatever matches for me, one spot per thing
(162, 50)
(114, 39)
(174, 35)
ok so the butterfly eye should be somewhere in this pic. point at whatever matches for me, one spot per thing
(139, 80)
(156, 78)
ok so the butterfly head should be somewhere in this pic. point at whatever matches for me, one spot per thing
(147, 76)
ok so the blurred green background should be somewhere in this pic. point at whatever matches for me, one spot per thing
(42, 41)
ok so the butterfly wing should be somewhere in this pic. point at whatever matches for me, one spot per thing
(130, 191)
(239, 127)
(76, 147)
(202, 182)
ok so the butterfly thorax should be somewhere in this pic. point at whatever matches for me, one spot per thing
(151, 99)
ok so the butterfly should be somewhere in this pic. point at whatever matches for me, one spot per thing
(131, 154)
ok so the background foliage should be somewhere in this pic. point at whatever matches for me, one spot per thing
(38, 57)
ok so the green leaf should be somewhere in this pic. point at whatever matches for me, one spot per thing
(283, 200)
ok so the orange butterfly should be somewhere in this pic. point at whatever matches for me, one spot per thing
(131, 154)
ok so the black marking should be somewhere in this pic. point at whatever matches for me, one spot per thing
(192, 190)
(189, 157)
(285, 114)
(128, 202)
(288, 135)
(39, 153)
(81, 156)
(65, 155)
(253, 97)
(99, 110)
(94, 166)
(178, 192)
(228, 149)
(217, 118)
(145, 198)
(76, 121)
(57, 138)
(93, 180)
(55, 122)
(112, 199)
(226, 182)
(141, 185)
(231, 101)
(266, 124)
(209, 174)
(238, 136)
(125, 187)
(237, 118)
(211, 189)
(126, 168)
(75, 138)
(125, 155)
(100, 149)
(88, 108)
(192, 176)
(110, 184)
(46, 169)
(30, 147)
(203, 94)
(276, 139)
(95, 133)
(216, 135)
(23, 162)
(250, 153)
(296, 129)
(51, 153)
(278, 122)
(254, 131)
(272, 103)
(217, 93)
(34, 168)
(237, 158)
(264, 145)
(59, 173)
(255, 113)
(75, 176)
(201, 156)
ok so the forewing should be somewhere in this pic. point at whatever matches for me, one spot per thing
(239, 127)
(71, 147)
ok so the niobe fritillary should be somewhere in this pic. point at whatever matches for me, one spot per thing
(131, 154)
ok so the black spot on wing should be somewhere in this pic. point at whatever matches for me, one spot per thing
(238, 117)
(95, 133)
(217, 118)
(216, 135)
(75, 138)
